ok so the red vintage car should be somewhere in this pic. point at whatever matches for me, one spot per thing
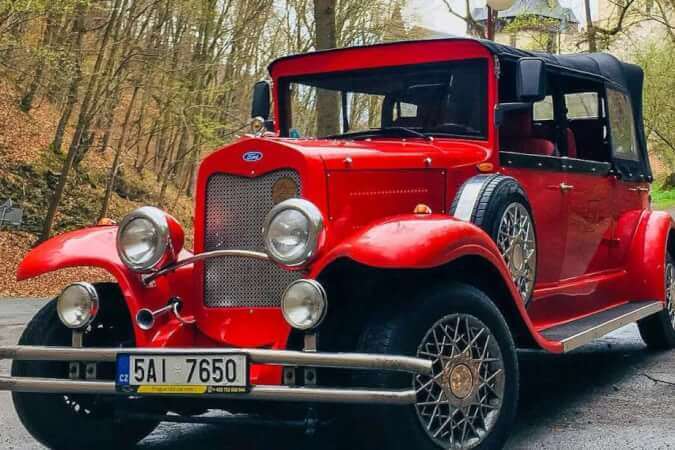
(463, 200)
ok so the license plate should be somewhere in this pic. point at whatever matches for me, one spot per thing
(182, 374)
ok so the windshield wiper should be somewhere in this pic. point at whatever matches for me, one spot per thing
(376, 131)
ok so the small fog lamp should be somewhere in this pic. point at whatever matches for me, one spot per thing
(77, 305)
(304, 304)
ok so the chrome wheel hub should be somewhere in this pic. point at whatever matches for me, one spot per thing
(516, 242)
(670, 292)
(459, 403)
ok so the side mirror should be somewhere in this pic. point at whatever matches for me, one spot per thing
(531, 80)
(261, 100)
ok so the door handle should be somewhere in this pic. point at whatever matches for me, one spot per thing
(639, 189)
(566, 187)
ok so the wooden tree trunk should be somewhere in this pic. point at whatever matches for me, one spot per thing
(81, 129)
(116, 160)
(327, 122)
(590, 29)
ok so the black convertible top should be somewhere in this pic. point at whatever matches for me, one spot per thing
(600, 66)
(605, 67)
(628, 77)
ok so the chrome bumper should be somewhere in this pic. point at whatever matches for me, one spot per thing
(287, 358)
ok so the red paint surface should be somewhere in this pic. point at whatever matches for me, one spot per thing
(598, 244)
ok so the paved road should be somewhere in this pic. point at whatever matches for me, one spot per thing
(599, 397)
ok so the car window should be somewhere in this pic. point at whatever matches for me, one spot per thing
(583, 105)
(543, 110)
(622, 126)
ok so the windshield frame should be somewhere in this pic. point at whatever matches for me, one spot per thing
(284, 113)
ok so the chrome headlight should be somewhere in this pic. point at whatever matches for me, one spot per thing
(143, 239)
(304, 304)
(77, 305)
(292, 231)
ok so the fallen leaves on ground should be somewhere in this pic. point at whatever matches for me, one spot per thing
(13, 247)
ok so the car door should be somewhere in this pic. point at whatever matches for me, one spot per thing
(631, 189)
(541, 176)
(588, 186)
(590, 221)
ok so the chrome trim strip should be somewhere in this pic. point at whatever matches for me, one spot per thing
(358, 361)
(270, 393)
(203, 256)
(602, 329)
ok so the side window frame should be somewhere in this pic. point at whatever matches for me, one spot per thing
(626, 169)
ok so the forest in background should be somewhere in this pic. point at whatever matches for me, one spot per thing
(147, 87)
(106, 105)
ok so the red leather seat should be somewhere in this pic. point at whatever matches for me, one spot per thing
(517, 135)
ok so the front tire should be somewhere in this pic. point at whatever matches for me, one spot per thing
(71, 421)
(470, 401)
(658, 331)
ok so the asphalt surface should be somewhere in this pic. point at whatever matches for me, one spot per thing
(612, 393)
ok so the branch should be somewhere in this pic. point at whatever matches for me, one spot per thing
(619, 25)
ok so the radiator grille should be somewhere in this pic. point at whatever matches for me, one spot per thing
(235, 210)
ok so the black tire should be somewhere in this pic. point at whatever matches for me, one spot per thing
(400, 333)
(497, 194)
(70, 422)
(658, 330)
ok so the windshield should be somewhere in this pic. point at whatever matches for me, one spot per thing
(431, 99)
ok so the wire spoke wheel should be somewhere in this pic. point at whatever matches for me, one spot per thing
(516, 242)
(670, 292)
(459, 403)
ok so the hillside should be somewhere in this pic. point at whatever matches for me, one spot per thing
(29, 172)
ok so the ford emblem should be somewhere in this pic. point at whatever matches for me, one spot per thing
(252, 156)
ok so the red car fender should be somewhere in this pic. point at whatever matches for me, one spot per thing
(95, 247)
(419, 242)
(647, 256)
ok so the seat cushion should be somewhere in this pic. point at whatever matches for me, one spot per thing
(534, 146)
(517, 135)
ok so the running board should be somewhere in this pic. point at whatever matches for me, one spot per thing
(582, 331)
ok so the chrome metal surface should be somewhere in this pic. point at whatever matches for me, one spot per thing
(157, 217)
(235, 211)
(566, 187)
(206, 255)
(77, 339)
(94, 304)
(145, 318)
(670, 292)
(459, 403)
(259, 356)
(633, 313)
(516, 242)
(315, 220)
(260, 392)
(320, 297)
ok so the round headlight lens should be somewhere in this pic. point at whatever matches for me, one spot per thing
(139, 240)
(288, 234)
(77, 305)
(304, 304)
(143, 238)
(291, 231)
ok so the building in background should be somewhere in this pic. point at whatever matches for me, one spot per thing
(534, 25)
